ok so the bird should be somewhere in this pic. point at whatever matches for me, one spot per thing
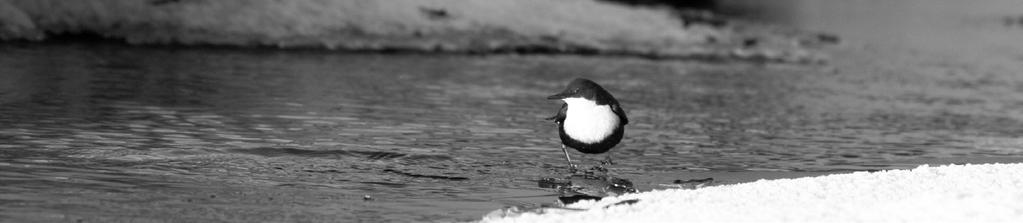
(590, 121)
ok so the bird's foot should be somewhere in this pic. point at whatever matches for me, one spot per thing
(573, 168)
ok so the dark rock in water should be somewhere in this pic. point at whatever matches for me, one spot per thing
(435, 13)
(819, 39)
(625, 202)
(828, 38)
(587, 185)
(163, 2)
(577, 198)
(693, 183)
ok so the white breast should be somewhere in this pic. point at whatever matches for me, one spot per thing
(588, 122)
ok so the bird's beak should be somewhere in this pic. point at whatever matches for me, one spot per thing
(559, 96)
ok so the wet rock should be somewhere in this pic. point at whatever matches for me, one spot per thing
(819, 39)
(587, 185)
(700, 17)
(434, 13)
(576, 198)
(828, 38)
(692, 183)
(750, 42)
(163, 2)
(625, 202)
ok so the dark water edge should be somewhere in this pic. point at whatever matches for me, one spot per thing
(109, 132)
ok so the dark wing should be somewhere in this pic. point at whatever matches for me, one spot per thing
(618, 111)
(560, 117)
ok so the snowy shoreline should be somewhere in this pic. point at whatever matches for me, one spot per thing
(494, 26)
(951, 193)
(443, 24)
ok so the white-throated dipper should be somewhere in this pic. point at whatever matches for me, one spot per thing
(590, 121)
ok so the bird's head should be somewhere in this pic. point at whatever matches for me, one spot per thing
(581, 88)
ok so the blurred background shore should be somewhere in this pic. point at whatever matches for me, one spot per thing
(638, 28)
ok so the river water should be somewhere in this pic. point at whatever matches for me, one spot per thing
(100, 132)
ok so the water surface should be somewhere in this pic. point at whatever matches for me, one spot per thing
(101, 132)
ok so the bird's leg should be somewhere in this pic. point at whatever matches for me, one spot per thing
(570, 165)
(607, 160)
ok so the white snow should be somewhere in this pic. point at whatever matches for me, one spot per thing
(953, 193)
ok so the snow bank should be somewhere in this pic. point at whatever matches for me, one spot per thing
(356, 24)
(955, 193)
